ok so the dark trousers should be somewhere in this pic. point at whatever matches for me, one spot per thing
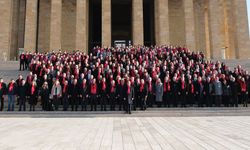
(218, 100)
(84, 103)
(103, 102)
(166, 99)
(112, 100)
(129, 105)
(22, 103)
(226, 100)
(244, 98)
(143, 103)
(65, 100)
(74, 103)
(22, 65)
(183, 98)
(33, 101)
(150, 99)
(200, 100)
(136, 101)
(235, 100)
(2, 103)
(93, 102)
(120, 102)
(208, 100)
(56, 102)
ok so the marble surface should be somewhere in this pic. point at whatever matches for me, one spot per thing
(126, 133)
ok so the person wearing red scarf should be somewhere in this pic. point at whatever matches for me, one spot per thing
(130, 97)
(167, 92)
(11, 91)
(112, 95)
(93, 94)
(121, 94)
(150, 85)
(103, 98)
(74, 95)
(182, 91)
(244, 92)
(143, 91)
(33, 93)
(22, 61)
(83, 94)
(65, 95)
(2, 93)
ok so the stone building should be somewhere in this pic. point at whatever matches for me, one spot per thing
(219, 28)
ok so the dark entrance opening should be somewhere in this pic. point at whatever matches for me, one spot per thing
(148, 21)
(95, 23)
(121, 17)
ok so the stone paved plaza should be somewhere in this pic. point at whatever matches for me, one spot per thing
(126, 133)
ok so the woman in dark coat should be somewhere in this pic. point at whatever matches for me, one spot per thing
(130, 96)
(33, 93)
(158, 92)
(83, 94)
(22, 93)
(112, 95)
(143, 94)
(44, 93)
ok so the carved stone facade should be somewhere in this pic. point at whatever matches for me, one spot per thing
(219, 28)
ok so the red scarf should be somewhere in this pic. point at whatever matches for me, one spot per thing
(150, 87)
(103, 86)
(0, 86)
(93, 89)
(141, 87)
(192, 88)
(22, 57)
(64, 88)
(128, 92)
(32, 89)
(243, 87)
(182, 85)
(11, 87)
(83, 85)
(112, 88)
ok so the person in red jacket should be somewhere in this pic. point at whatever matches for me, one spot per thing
(93, 94)
(244, 92)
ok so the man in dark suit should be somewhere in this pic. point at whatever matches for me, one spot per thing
(2, 93)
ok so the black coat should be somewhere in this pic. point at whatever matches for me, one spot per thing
(3, 90)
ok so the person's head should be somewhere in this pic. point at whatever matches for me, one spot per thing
(23, 82)
(45, 85)
(1, 80)
(20, 76)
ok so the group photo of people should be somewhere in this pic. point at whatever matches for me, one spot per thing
(124, 79)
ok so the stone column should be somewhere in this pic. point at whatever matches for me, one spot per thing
(106, 23)
(216, 28)
(31, 26)
(189, 24)
(137, 22)
(161, 22)
(82, 25)
(242, 34)
(5, 29)
(55, 24)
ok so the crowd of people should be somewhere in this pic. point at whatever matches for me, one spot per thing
(129, 78)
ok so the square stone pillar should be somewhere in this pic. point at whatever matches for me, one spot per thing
(217, 32)
(242, 29)
(31, 25)
(161, 22)
(55, 24)
(5, 29)
(137, 22)
(189, 24)
(82, 8)
(106, 23)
